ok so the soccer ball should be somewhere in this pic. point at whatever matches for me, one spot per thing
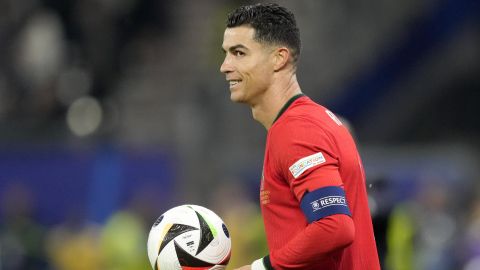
(189, 237)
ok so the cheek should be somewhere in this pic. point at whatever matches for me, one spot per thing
(256, 72)
(262, 75)
(260, 70)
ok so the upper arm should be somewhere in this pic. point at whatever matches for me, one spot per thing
(307, 159)
(305, 156)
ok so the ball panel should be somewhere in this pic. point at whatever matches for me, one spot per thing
(167, 259)
(216, 252)
(225, 230)
(158, 221)
(174, 231)
(206, 234)
(186, 259)
(219, 248)
(189, 241)
(155, 239)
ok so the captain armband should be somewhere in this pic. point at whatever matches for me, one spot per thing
(324, 202)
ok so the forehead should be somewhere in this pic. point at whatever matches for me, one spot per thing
(240, 35)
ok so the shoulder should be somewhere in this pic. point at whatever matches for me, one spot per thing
(306, 122)
(297, 131)
(302, 116)
(306, 108)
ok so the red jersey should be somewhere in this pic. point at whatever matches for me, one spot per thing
(309, 148)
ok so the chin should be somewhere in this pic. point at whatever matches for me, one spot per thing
(237, 98)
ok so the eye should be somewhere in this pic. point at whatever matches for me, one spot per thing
(238, 53)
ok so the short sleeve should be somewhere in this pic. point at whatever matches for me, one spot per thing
(304, 155)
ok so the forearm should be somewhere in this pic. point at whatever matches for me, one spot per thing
(317, 240)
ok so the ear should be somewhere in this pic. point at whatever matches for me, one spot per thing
(281, 56)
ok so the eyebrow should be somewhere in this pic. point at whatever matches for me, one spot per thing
(235, 47)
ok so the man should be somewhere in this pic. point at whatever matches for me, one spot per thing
(312, 192)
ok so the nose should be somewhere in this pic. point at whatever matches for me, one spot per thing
(226, 66)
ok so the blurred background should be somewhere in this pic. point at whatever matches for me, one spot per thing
(113, 111)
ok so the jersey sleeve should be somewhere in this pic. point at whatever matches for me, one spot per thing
(304, 155)
(334, 232)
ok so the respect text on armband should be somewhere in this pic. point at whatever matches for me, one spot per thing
(328, 201)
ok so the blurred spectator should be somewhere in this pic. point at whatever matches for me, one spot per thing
(74, 245)
(421, 232)
(381, 200)
(400, 238)
(21, 237)
(124, 240)
(41, 51)
(472, 237)
(241, 214)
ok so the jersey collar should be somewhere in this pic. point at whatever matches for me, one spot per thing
(285, 107)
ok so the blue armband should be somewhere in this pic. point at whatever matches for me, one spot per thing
(324, 202)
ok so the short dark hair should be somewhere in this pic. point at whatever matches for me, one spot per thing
(272, 23)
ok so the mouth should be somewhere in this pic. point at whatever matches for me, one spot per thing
(233, 83)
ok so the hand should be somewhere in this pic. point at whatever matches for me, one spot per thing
(245, 267)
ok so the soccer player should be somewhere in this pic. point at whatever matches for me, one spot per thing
(312, 192)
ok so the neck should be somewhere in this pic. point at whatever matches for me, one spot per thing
(266, 110)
